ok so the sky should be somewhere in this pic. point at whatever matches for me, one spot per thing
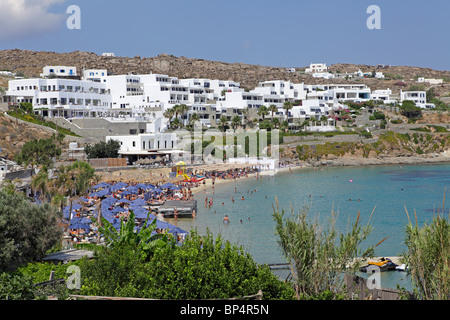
(283, 33)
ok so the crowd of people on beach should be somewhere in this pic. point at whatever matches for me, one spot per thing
(121, 197)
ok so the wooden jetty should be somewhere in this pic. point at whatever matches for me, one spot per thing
(184, 208)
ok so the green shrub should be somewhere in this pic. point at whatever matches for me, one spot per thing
(16, 287)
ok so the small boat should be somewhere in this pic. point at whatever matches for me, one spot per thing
(385, 264)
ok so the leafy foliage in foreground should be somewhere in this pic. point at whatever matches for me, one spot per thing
(26, 231)
(428, 258)
(200, 268)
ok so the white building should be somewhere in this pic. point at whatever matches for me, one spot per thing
(61, 97)
(147, 145)
(383, 95)
(317, 68)
(325, 75)
(379, 75)
(59, 71)
(418, 97)
(430, 81)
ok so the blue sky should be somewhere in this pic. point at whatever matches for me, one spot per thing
(280, 33)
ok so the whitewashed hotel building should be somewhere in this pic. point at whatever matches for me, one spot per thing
(61, 97)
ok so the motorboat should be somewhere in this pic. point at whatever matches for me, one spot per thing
(384, 264)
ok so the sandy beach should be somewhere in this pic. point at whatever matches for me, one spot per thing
(161, 175)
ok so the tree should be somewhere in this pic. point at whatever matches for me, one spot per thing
(183, 109)
(287, 105)
(27, 231)
(38, 152)
(263, 111)
(236, 121)
(428, 257)
(273, 109)
(199, 268)
(169, 113)
(103, 149)
(26, 106)
(82, 175)
(223, 122)
(207, 268)
(194, 118)
(318, 255)
(409, 109)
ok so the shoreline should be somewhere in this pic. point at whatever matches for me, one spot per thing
(346, 161)
(358, 161)
(340, 162)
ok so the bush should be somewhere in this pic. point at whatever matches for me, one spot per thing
(200, 268)
(16, 287)
(309, 248)
(103, 149)
(27, 231)
(428, 258)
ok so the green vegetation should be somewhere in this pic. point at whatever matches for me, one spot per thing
(428, 257)
(388, 140)
(428, 129)
(24, 114)
(38, 152)
(409, 110)
(27, 230)
(318, 255)
(103, 149)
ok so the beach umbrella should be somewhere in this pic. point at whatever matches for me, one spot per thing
(79, 225)
(100, 185)
(108, 201)
(140, 185)
(118, 186)
(138, 201)
(123, 200)
(101, 193)
(167, 185)
(175, 188)
(117, 210)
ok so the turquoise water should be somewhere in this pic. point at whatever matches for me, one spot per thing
(388, 189)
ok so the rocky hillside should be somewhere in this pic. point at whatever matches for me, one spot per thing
(30, 63)
(388, 144)
(13, 136)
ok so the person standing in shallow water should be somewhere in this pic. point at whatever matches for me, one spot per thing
(226, 219)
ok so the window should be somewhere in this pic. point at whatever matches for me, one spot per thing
(134, 143)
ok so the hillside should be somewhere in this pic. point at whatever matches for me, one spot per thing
(30, 63)
(13, 136)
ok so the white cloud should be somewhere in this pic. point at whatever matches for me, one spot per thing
(21, 19)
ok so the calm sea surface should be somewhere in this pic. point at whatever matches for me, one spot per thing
(387, 189)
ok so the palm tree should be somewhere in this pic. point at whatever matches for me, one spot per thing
(176, 123)
(287, 105)
(169, 113)
(236, 121)
(263, 111)
(41, 182)
(324, 119)
(276, 123)
(223, 121)
(182, 108)
(194, 118)
(273, 108)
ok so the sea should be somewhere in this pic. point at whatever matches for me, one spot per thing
(381, 194)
